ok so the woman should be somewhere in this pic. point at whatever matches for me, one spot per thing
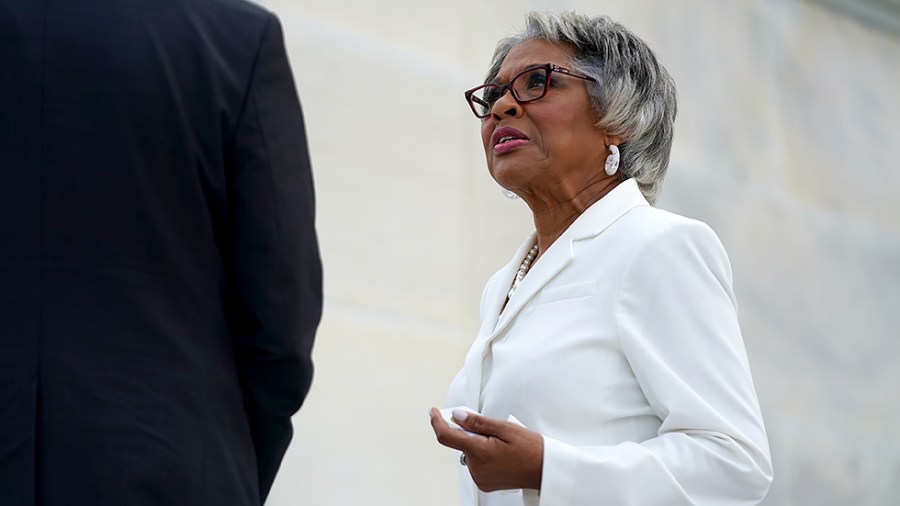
(609, 367)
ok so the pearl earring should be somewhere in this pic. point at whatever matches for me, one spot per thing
(612, 161)
(508, 194)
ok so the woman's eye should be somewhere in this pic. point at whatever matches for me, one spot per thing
(536, 80)
(490, 95)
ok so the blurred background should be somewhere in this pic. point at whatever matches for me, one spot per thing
(787, 143)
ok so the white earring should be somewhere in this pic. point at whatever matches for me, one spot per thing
(612, 161)
(508, 194)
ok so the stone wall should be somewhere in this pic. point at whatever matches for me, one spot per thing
(787, 144)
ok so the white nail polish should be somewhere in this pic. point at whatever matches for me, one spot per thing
(460, 415)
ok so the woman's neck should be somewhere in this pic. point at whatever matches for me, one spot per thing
(554, 215)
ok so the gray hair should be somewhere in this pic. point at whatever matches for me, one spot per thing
(634, 96)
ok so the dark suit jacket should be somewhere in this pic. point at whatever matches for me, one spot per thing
(160, 283)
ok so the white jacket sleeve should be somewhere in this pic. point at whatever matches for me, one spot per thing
(678, 329)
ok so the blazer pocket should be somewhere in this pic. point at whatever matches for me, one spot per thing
(572, 291)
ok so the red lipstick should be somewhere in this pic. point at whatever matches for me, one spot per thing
(505, 139)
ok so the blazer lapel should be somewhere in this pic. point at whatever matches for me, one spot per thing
(557, 256)
(495, 297)
(592, 222)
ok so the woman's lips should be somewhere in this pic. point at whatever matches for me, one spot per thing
(503, 147)
(505, 139)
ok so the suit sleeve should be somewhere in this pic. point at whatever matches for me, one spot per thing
(677, 326)
(276, 269)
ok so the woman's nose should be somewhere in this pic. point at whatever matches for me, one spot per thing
(506, 106)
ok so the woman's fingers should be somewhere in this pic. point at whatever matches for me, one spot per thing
(451, 436)
(500, 455)
(481, 424)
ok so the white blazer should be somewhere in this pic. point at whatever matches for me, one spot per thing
(622, 348)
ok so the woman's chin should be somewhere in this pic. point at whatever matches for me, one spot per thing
(509, 175)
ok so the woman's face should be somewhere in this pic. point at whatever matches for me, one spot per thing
(558, 149)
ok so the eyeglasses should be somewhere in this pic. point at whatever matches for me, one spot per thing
(529, 85)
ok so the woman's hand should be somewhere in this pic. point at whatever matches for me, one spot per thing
(500, 455)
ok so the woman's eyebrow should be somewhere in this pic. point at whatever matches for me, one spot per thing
(527, 66)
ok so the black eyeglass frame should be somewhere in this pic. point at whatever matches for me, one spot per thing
(501, 88)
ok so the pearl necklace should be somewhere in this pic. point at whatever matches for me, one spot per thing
(523, 269)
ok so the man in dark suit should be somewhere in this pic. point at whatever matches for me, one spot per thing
(160, 283)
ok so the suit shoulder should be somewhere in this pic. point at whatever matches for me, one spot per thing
(242, 16)
(216, 19)
(651, 223)
(657, 236)
(664, 239)
(247, 8)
